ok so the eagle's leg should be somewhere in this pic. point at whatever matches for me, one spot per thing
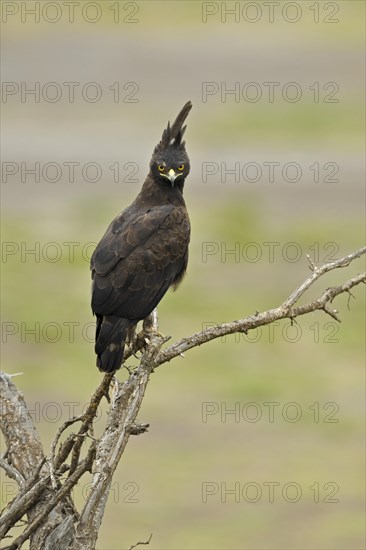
(151, 322)
(131, 335)
(138, 341)
(133, 340)
(150, 326)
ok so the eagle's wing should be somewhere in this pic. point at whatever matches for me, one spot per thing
(141, 254)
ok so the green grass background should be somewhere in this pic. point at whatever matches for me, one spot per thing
(158, 486)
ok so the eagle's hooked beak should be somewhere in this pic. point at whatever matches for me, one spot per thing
(172, 175)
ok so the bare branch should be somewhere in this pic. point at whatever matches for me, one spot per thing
(319, 271)
(140, 542)
(91, 411)
(60, 431)
(53, 523)
(12, 472)
(282, 312)
(83, 467)
(25, 455)
(328, 296)
(125, 405)
(24, 447)
(21, 504)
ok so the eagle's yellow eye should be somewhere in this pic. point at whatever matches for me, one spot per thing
(181, 167)
(161, 167)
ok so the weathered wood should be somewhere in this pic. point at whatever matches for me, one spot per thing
(44, 492)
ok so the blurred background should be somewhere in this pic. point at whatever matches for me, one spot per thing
(255, 442)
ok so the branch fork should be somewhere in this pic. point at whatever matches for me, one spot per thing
(53, 522)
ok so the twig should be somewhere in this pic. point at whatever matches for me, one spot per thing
(350, 295)
(83, 467)
(318, 272)
(59, 432)
(126, 403)
(21, 504)
(12, 472)
(286, 310)
(38, 501)
(140, 542)
(89, 415)
(24, 447)
(24, 500)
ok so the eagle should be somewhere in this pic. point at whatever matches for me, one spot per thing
(144, 251)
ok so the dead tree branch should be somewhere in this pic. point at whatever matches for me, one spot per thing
(285, 310)
(44, 490)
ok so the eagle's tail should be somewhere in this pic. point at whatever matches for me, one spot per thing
(110, 341)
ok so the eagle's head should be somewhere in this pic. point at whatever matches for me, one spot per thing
(170, 165)
(170, 162)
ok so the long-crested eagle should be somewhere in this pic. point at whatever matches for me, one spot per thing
(144, 250)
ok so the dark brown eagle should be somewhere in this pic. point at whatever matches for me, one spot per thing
(144, 250)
